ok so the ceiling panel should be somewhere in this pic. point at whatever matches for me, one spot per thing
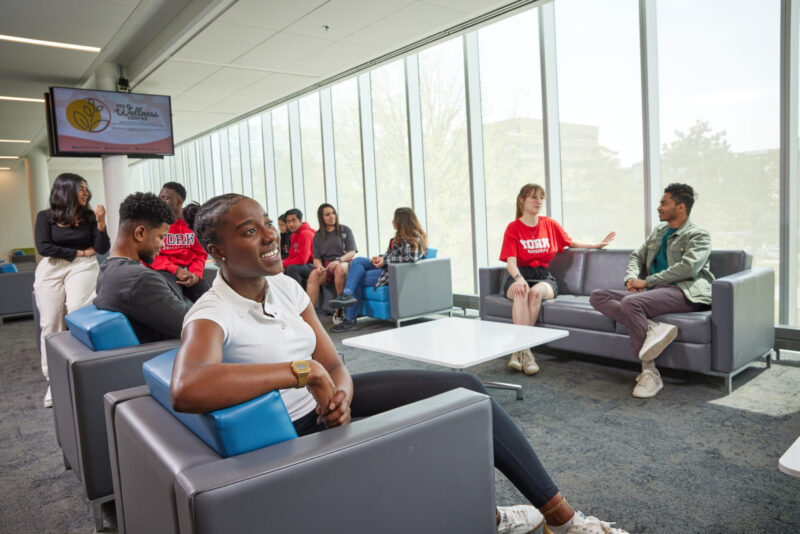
(85, 22)
(174, 75)
(193, 100)
(237, 40)
(334, 59)
(344, 17)
(269, 14)
(282, 49)
(229, 80)
(473, 7)
(267, 90)
(405, 26)
(39, 63)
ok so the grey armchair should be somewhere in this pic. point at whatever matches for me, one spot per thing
(79, 377)
(425, 467)
(16, 289)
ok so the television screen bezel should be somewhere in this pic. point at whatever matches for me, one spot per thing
(52, 129)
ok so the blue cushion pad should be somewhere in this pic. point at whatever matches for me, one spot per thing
(101, 329)
(252, 425)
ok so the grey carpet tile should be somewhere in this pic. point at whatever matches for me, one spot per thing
(689, 460)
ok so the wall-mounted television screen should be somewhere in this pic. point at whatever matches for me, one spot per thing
(87, 122)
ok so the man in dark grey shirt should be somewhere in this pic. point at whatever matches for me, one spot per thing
(154, 308)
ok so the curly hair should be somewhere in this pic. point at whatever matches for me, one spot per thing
(145, 208)
(64, 207)
(206, 219)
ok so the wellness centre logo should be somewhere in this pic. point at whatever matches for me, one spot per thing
(88, 115)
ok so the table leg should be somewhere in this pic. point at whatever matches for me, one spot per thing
(505, 385)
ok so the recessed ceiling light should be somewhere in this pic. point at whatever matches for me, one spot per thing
(14, 141)
(5, 168)
(39, 42)
(9, 157)
(21, 99)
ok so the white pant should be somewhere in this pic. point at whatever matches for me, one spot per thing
(61, 287)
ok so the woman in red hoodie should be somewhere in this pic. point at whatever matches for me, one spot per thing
(182, 259)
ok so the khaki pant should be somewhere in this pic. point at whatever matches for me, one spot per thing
(61, 287)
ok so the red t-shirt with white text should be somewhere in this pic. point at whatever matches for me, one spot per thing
(534, 246)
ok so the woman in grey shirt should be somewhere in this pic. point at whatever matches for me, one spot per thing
(333, 248)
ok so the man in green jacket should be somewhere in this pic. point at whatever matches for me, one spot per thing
(667, 274)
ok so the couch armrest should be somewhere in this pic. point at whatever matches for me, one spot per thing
(490, 281)
(742, 318)
(420, 288)
(427, 466)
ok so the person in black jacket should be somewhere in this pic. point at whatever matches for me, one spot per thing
(68, 236)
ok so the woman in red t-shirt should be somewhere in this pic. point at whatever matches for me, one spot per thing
(529, 244)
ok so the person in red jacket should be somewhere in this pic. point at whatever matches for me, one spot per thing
(182, 259)
(299, 264)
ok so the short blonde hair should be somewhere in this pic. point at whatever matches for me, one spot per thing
(524, 193)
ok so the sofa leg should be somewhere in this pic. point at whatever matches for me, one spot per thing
(729, 383)
(97, 512)
(67, 467)
(769, 359)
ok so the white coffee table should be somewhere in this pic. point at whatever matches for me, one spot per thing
(457, 343)
(790, 461)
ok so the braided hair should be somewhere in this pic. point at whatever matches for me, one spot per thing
(206, 219)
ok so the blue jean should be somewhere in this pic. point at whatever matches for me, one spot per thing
(361, 270)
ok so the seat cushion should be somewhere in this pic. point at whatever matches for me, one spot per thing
(496, 305)
(693, 327)
(574, 311)
(101, 329)
(252, 425)
(380, 294)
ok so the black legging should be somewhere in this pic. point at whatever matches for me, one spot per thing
(381, 391)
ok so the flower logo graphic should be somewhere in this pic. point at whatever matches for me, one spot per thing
(88, 115)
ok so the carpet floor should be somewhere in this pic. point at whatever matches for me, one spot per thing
(689, 460)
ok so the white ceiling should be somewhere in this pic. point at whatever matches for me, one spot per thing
(217, 59)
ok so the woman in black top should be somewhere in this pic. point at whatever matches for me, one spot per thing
(68, 236)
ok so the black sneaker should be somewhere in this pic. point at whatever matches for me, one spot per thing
(345, 326)
(343, 301)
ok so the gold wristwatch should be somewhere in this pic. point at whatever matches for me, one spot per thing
(301, 368)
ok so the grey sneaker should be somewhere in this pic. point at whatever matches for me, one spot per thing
(338, 316)
(648, 383)
(659, 336)
(529, 365)
(591, 525)
(520, 519)
(516, 361)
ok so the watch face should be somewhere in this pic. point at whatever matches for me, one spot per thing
(302, 366)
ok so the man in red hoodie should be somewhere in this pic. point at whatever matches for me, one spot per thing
(299, 264)
(182, 258)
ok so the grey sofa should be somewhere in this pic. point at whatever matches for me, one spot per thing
(425, 467)
(79, 377)
(16, 289)
(738, 330)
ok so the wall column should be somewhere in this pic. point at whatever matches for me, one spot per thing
(115, 168)
(38, 182)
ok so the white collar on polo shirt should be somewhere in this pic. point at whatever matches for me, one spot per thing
(241, 304)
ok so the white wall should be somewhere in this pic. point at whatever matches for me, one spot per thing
(15, 218)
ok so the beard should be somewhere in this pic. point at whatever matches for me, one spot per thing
(147, 257)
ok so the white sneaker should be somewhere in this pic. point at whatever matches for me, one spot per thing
(659, 335)
(48, 399)
(516, 360)
(338, 316)
(591, 525)
(648, 383)
(519, 519)
(529, 366)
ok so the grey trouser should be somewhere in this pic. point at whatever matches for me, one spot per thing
(632, 309)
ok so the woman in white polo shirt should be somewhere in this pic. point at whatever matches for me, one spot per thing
(256, 331)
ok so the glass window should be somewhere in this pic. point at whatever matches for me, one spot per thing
(719, 85)
(390, 120)
(283, 158)
(444, 141)
(511, 105)
(216, 163)
(208, 167)
(192, 185)
(257, 160)
(236, 159)
(599, 92)
(311, 142)
(347, 153)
